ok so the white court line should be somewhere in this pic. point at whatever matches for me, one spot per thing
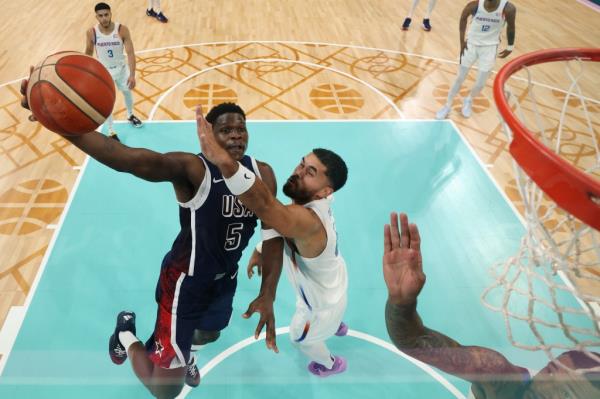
(590, 4)
(351, 46)
(14, 325)
(487, 172)
(305, 63)
(295, 121)
(212, 363)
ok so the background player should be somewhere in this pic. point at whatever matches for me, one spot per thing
(110, 38)
(313, 261)
(426, 23)
(481, 45)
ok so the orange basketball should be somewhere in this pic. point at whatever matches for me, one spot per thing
(70, 93)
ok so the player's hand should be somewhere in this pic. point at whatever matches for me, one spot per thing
(131, 82)
(504, 54)
(402, 261)
(23, 90)
(264, 306)
(255, 261)
(463, 48)
(210, 148)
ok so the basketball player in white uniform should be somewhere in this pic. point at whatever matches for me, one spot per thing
(481, 45)
(312, 258)
(110, 38)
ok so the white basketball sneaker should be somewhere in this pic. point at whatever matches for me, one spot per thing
(443, 112)
(467, 108)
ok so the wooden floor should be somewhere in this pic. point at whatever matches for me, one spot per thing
(337, 59)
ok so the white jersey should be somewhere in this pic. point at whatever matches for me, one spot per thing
(486, 27)
(320, 282)
(109, 48)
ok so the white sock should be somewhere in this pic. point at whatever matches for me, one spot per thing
(157, 6)
(150, 4)
(317, 352)
(127, 339)
(430, 8)
(109, 122)
(412, 8)
(462, 74)
(128, 102)
(479, 83)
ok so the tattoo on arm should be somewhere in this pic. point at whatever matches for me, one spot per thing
(473, 363)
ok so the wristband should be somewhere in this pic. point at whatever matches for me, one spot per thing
(269, 233)
(259, 247)
(241, 181)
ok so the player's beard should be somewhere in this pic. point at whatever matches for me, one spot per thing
(292, 190)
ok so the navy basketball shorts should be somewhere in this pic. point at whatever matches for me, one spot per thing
(187, 303)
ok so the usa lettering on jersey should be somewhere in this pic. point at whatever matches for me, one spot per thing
(233, 207)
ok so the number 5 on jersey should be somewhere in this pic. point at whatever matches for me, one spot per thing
(233, 236)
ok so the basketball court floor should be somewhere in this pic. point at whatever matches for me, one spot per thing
(79, 242)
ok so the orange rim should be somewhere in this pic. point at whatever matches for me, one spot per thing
(572, 189)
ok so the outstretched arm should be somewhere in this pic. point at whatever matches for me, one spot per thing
(174, 167)
(293, 221)
(404, 277)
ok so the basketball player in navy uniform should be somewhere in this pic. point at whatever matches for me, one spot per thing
(110, 39)
(481, 45)
(312, 258)
(198, 275)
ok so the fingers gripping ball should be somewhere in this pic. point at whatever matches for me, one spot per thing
(70, 93)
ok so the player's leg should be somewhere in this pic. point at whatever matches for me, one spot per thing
(216, 304)
(109, 121)
(200, 339)
(150, 10)
(163, 377)
(159, 14)
(121, 82)
(487, 59)
(466, 60)
(426, 22)
(408, 19)
(308, 331)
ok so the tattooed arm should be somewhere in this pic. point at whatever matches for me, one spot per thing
(491, 372)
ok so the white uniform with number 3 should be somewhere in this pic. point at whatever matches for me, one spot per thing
(483, 37)
(109, 49)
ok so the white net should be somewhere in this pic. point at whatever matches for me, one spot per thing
(549, 291)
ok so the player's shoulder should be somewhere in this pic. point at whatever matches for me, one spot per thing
(510, 7)
(264, 166)
(471, 7)
(267, 174)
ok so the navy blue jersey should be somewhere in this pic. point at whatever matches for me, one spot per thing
(215, 227)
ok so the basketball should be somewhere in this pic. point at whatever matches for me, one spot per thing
(70, 93)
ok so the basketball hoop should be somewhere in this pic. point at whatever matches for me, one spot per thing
(559, 255)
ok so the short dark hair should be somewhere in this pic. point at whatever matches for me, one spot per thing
(101, 6)
(337, 171)
(224, 108)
